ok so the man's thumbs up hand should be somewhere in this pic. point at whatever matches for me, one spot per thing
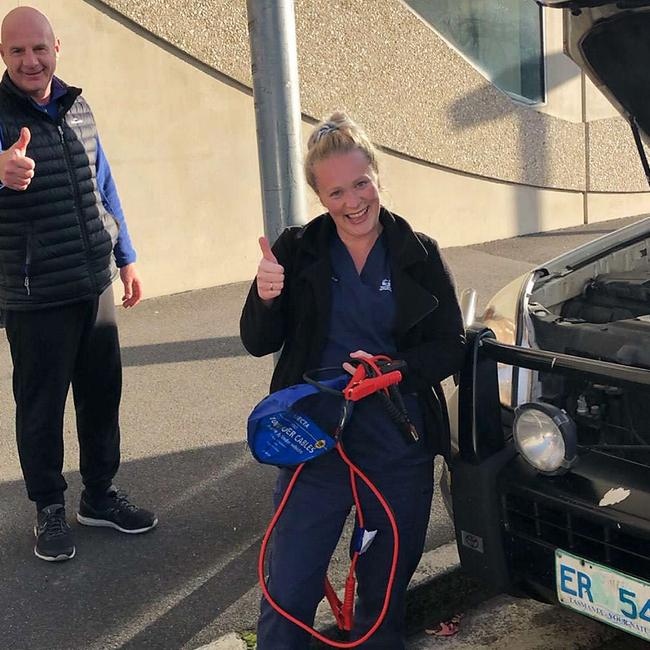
(20, 146)
(16, 169)
(270, 274)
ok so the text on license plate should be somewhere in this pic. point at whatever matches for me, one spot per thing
(603, 593)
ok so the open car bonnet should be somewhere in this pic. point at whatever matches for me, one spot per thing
(610, 41)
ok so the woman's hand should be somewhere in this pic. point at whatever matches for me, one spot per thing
(359, 354)
(270, 274)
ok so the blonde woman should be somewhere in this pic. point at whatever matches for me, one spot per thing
(355, 281)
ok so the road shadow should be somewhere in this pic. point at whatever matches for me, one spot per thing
(156, 590)
(220, 347)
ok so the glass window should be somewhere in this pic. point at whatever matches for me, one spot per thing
(502, 38)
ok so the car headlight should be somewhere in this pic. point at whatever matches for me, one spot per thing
(545, 436)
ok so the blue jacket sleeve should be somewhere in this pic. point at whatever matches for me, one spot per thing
(124, 251)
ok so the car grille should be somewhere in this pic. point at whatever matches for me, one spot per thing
(547, 525)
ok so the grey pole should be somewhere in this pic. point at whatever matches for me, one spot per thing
(274, 63)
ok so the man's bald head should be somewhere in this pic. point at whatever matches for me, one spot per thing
(22, 18)
(29, 50)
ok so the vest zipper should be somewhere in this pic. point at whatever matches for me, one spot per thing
(28, 262)
(77, 203)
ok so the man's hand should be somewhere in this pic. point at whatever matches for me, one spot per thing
(270, 274)
(16, 169)
(132, 286)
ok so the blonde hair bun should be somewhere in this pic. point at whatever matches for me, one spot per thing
(336, 135)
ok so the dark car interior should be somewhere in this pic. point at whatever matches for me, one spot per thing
(618, 50)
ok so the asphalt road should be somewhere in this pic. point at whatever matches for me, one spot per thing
(505, 623)
(188, 388)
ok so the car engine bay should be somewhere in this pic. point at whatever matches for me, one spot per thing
(601, 311)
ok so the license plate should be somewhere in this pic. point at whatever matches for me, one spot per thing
(603, 593)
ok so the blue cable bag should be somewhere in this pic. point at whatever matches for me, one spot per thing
(291, 426)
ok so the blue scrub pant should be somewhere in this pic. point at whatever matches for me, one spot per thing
(307, 534)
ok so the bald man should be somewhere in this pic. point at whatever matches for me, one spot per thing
(62, 235)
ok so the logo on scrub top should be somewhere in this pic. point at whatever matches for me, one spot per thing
(385, 285)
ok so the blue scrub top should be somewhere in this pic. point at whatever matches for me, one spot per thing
(362, 317)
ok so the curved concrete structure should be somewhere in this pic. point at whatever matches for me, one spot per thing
(169, 81)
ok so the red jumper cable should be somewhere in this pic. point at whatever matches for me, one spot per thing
(371, 375)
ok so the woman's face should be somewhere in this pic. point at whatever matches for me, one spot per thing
(347, 187)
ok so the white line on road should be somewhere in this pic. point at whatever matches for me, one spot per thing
(126, 631)
(221, 475)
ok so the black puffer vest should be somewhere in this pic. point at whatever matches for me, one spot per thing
(56, 238)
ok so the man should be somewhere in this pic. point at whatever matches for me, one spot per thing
(60, 225)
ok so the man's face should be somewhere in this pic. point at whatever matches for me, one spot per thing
(29, 50)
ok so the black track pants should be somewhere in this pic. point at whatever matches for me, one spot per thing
(52, 348)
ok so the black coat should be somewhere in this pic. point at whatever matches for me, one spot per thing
(428, 330)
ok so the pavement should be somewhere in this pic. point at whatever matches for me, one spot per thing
(188, 388)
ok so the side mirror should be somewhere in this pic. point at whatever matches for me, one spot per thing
(468, 306)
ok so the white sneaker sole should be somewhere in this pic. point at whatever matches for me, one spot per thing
(59, 558)
(104, 523)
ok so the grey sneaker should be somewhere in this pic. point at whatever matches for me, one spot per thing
(114, 510)
(53, 537)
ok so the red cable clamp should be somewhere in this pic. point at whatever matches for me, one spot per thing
(357, 390)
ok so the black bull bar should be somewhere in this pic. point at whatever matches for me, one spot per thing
(480, 432)
(484, 452)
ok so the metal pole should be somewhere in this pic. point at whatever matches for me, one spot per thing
(274, 63)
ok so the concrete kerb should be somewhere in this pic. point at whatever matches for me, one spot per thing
(230, 641)
(439, 589)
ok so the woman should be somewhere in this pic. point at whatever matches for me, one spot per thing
(353, 282)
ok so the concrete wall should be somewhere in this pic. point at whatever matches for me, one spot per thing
(181, 144)
(169, 81)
